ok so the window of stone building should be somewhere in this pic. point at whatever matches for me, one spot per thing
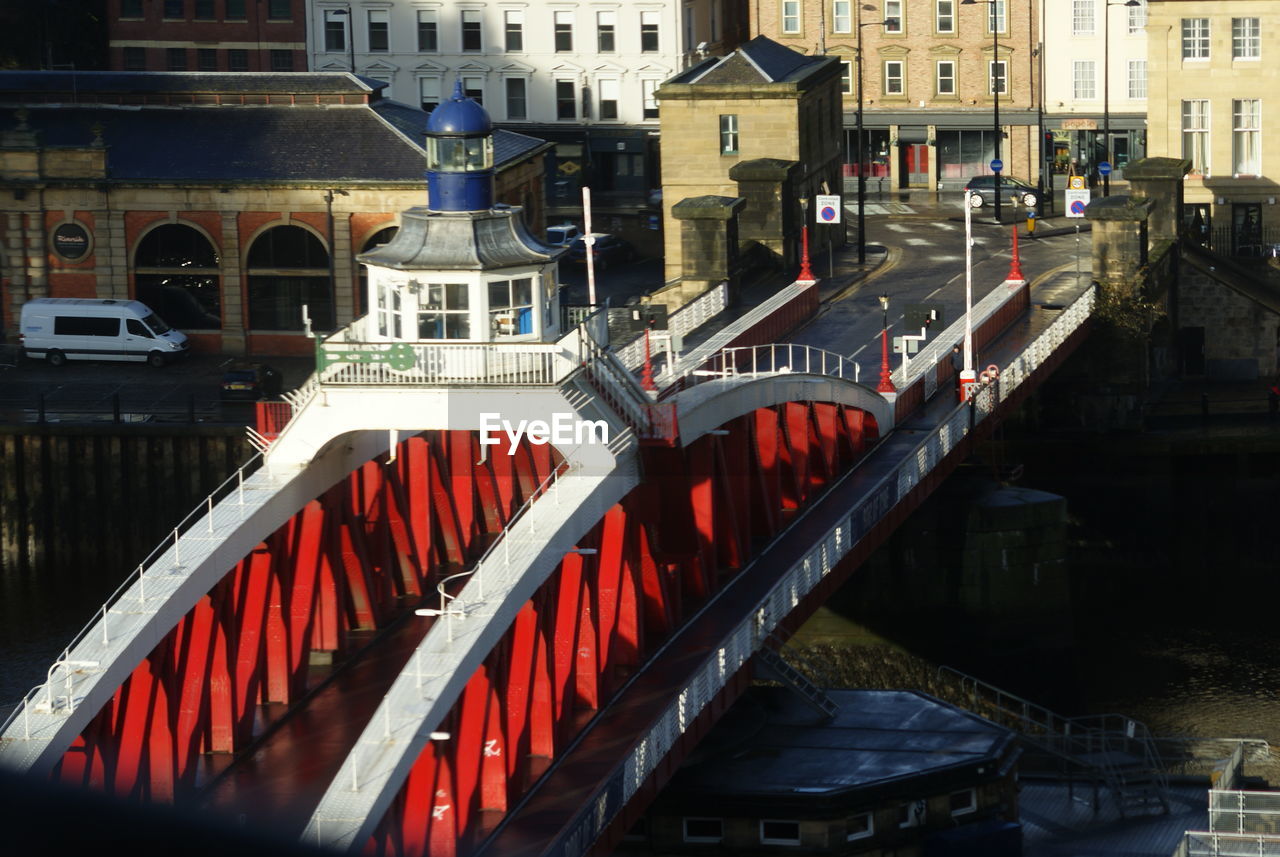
(963, 802)
(135, 59)
(790, 16)
(649, 32)
(429, 93)
(176, 274)
(174, 9)
(945, 21)
(912, 813)
(288, 266)
(1138, 17)
(513, 30)
(997, 78)
(517, 98)
(649, 99)
(1083, 83)
(563, 22)
(235, 10)
(335, 30)
(1082, 17)
(207, 59)
(1246, 136)
(860, 826)
(997, 19)
(176, 59)
(729, 134)
(471, 35)
(428, 31)
(1195, 38)
(946, 77)
(1246, 39)
(608, 88)
(379, 31)
(846, 77)
(1195, 134)
(841, 16)
(446, 313)
(1137, 79)
(893, 22)
(473, 88)
(566, 100)
(130, 8)
(237, 59)
(606, 26)
(776, 832)
(281, 60)
(893, 77)
(703, 830)
(205, 10)
(278, 10)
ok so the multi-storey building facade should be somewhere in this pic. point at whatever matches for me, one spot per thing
(1096, 54)
(579, 73)
(1212, 69)
(929, 78)
(207, 35)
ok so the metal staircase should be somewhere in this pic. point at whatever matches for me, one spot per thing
(771, 663)
(1112, 750)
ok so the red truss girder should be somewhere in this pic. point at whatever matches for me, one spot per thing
(370, 547)
(700, 515)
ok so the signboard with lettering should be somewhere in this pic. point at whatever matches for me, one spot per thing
(1079, 125)
(1077, 201)
(828, 209)
(71, 241)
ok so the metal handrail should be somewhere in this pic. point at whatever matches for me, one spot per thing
(765, 360)
(205, 507)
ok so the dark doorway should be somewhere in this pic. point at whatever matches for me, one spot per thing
(1191, 351)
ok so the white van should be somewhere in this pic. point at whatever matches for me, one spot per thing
(61, 329)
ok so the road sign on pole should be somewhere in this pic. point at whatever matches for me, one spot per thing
(828, 208)
(1104, 168)
(1077, 201)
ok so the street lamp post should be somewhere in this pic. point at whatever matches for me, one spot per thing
(862, 151)
(996, 82)
(1106, 88)
(886, 374)
(806, 273)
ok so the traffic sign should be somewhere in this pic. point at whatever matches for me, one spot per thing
(1104, 168)
(1077, 201)
(828, 208)
(1075, 182)
(996, 165)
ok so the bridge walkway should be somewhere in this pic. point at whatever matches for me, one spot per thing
(584, 776)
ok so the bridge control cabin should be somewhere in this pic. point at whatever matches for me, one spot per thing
(461, 269)
(893, 772)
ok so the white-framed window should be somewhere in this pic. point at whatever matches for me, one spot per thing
(945, 16)
(335, 30)
(997, 78)
(790, 16)
(1138, 17)
(846, 77)
(608, 91)
(912, 813)
(429, 92)
(893, 22)
(1246, 136)
(1246, 39)
(1195, 134)
(472, 37)
(649, 101)
(566, 99)
(779, 832)
(1137, 78)
(473, 87)
(511, 307)
(649, 43)
(1084, 84)
(893, 78)
(563, 31)
(1082, 23)
(606, 31)
(513, 30)
(1195, 38)
(703, 830)
(963, 802)
(428, 31)
(728, 133)
(841, 16)
(379, 31)
(997, 17)
(860, 826)
(946, 77)
(517, 95)
(447, 313)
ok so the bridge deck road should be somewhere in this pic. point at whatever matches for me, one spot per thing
(577, 778)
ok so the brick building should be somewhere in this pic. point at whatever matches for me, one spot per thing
(214, 198)
(207, 35)
(929, 73)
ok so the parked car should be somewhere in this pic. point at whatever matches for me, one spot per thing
(1012, 190)
(563, 234)
(607, 250)
(250, 381)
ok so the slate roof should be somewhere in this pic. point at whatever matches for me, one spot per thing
(460, 241)
(760, 60)
(508, 146)
(139, 82)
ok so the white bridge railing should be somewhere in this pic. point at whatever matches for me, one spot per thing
(683, 321)
(771, 359)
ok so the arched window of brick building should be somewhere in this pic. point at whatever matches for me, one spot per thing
(382, 236)
(176, 274)
(289, 267)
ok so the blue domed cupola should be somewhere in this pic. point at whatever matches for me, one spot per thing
(459, 155)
